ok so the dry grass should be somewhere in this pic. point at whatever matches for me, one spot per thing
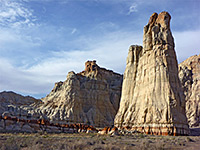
(94, 142)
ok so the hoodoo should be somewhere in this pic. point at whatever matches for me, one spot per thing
(152, 98)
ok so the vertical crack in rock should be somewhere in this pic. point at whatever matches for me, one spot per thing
(152, 98)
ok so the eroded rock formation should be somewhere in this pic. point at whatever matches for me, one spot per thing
(189, 73)
(17, 105)
(91, 97)
(152, 98)
(14, 125)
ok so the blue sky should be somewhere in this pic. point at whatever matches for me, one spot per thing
(42, 40)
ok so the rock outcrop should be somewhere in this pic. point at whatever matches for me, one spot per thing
(17, 105)
(189, 73)
(91, 97)
(152, 98)
(11, 98)
(15, 111)
(14, 125)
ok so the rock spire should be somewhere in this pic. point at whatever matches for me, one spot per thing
(152, 99)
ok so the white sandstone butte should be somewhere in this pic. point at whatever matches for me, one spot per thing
(152, 98)
(90, 97)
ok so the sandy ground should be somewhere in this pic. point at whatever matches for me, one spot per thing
(83, 141)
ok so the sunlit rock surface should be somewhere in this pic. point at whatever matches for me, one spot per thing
(91, 97)
(152, 97)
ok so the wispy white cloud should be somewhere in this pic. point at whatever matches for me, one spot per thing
(11, 36)
(15, 14)
(73, 31)
(59, 1)
(106, 26)
(110, 51)
(18, 47)
(18, 80)
(133, 8)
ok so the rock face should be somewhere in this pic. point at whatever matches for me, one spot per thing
(15, 110)
(16, 105)
(152, 99)
(11, 98)
(189, 74)
(91, 96)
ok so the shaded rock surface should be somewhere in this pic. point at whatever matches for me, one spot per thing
(11, 98)
(91, 96)
(17, 105)
(189, 74)
(152, 98)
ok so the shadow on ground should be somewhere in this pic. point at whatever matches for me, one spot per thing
(195, 131)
